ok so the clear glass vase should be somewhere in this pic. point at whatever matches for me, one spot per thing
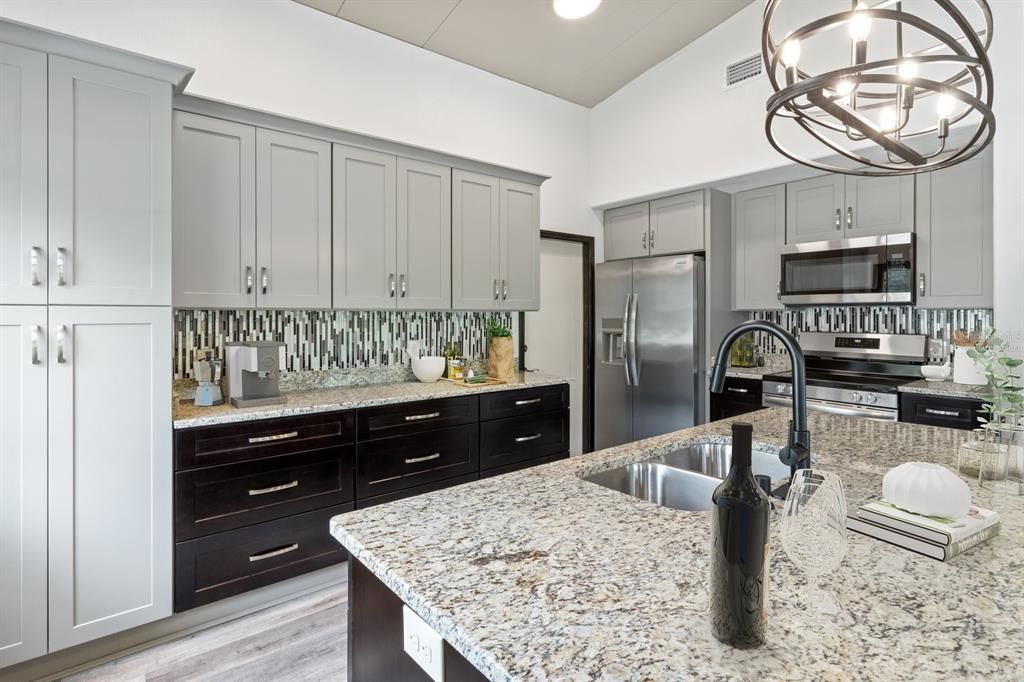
(996, 452)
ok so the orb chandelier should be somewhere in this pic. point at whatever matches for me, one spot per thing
(892, 114)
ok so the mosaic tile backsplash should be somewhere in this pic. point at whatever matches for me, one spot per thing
(937, 324)
(330, 339)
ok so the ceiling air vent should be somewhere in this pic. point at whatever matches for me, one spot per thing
(742, 71)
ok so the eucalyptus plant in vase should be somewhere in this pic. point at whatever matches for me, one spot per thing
(1001, 433)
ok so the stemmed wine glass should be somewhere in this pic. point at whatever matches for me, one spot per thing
(814, 528)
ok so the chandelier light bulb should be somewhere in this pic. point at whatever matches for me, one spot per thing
(790, 53)
(887, 120)
(944, 106)
(908, 69)
(860, 24)
(844, 86)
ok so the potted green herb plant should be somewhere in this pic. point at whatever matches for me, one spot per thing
(500, 352)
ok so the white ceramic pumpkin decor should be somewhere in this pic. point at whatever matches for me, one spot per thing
(927, 489)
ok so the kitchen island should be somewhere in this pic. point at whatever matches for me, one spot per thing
(542, 575)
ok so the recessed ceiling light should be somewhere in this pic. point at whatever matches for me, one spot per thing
(574, 9)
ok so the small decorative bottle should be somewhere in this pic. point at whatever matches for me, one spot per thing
(739, 550)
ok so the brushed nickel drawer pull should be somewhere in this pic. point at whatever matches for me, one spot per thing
(427, 458)
(273, 488)
(942, 413)
(523, 439)
(274, 552)
(417, 417)
(736, 390)
(531, 401)
(276, 436)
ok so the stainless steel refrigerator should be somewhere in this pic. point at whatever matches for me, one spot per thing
(648, 342)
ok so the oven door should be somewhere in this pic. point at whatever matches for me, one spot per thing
(849, 271)
(842, 409)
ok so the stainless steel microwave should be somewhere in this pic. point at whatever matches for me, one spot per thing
(849, 271)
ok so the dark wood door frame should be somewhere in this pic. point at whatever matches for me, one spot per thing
(587, 388)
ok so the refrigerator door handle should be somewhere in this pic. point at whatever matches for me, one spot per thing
(635, 369)
(625, 340)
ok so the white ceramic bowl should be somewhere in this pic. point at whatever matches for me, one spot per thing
(428, 369)
(935, 372)
(927, 489)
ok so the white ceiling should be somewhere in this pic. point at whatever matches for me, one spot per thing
(583, 60)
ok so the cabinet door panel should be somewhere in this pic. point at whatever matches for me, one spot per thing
(214, 213)
(365, 272)
(954, 236)
(22, 483)
(759, 231)
(625, 231)
(22, 176)
(519, 220)
(815, 209)
(476, 251)
(293, 221)
(879, 205)
(424, 235)
(109, 186)
(110, 524)
(677, 224)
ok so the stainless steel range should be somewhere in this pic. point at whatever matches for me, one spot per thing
(856, 375)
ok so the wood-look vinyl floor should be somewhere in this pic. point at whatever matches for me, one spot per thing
(303, 639)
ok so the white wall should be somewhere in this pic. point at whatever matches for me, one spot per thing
(676, 127)
(289, 59)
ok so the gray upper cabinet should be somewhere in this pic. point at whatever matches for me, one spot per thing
(109, 186)
(424, 235)
(519, 218)
(214, 213)
(476, 250)
(626, 230)
(815, 209)
(23, 244)
(365, 234)
(759, 232)
(293, 221)
(677, 224)
(876, 206)
(954, 236)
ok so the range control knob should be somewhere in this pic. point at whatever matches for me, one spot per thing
(871, 398)
(856, 397)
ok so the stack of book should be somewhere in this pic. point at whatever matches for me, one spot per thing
(937, 538)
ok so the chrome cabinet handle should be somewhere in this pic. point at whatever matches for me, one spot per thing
(652, 238)
(504, 290)
(276, 436)
(921, 287)
(274, 552)
(523, 439)
(495, 290)
(391, 284)
(401, 278)
(839, 219)
(625, 341)
(643, 241)
(33, 259)
(62, 256)
(264, 279)
(273, 488)
(531, 401)
(61, 333)
(248, 279)
(849, 217)
(778, 290)
(942, 413)
(417, 417)
(427, 458)
(736, 390)
(36, 331)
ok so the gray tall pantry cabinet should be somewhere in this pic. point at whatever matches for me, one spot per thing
(759, 232)
(85, 293)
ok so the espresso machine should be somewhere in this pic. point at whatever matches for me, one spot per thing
(207, 372)
(253, 368)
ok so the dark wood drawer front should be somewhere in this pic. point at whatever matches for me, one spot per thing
(742, 391)
(518, 466)
(425, 415)
(518, 439)
(225, 564)
(365, 502)
(723, 409)
(211, 445)
(933, 410)
(514, 403)
(384, 466)
(230, 496)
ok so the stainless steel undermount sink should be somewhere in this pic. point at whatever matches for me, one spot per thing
(686, 477)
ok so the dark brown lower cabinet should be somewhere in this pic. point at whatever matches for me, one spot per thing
(940, 410)
(375, 636)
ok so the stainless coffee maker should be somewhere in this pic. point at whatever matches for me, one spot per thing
(253, 368)
(207, 372)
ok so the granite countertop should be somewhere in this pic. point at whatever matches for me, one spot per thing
(946, 388)
(773, 364)
(541, 575)
(188, 415)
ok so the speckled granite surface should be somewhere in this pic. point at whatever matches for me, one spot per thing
(946, 388)
(773, 362)
(187, 415)
(539, 575)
